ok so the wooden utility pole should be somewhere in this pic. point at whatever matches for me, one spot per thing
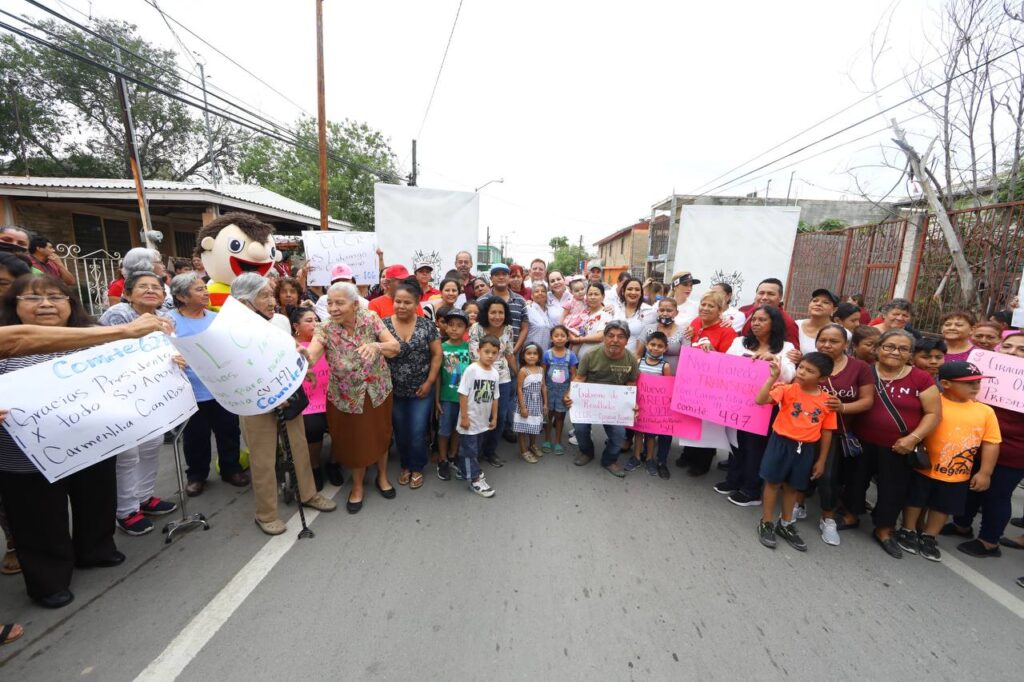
(134, 165)
(917, 167)
(321, 111)
(412, 175)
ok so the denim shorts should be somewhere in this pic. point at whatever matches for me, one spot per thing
(556, 397)
(449, 419)
(783, 463)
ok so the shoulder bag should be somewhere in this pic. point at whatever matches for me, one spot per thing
(918, 458)
(295, 405)
(848, 441)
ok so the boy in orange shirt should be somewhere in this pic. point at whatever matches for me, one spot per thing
(940, 491)
(798, 445)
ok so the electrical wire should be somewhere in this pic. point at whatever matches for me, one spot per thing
(440, 68)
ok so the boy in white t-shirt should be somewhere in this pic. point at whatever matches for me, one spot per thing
(478, 414)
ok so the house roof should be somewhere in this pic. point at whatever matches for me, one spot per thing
(234, 196)
(638, 227)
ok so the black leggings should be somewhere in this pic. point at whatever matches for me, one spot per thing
(893, 484)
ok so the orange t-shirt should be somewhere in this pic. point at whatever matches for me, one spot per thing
(958, 438)
(802, 416)
(384, 306)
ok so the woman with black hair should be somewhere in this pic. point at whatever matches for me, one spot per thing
(848, 315)
(766, 339)
(11, 268)
(493, 321)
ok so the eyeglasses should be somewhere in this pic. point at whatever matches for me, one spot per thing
(148, 287)
(889, 348)
(33, 299)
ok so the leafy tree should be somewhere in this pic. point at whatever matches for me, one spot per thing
(567, 256)
(295, 171)
(68, 115)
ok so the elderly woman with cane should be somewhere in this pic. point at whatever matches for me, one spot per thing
(261, 430)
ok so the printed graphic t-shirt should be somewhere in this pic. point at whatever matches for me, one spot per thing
(454, 361)
(802, 416)
(953, 445)
(480, 386)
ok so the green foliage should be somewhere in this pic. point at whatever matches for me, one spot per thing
(71, 120)
(294, 172)
(824, 226)
(567, 256)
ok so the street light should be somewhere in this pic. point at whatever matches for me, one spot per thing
(499, 180)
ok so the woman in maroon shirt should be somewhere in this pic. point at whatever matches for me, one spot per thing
(916, 399)
(994, 503)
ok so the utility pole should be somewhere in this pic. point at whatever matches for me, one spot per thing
(488, 245)
(412, 175)
(209, 131)
(790, 188)
(321, 111)
(134, 165)
(768, 187)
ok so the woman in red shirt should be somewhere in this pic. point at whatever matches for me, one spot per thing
(708, 331)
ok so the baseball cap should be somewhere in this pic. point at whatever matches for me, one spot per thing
(683, 277)
(340, 272)
(422, 264)
(595, 265)
(396, 272)
(826, 292)
(499, 267)
(961, 371)
(455, 312)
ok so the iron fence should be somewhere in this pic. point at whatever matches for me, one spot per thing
(93, 273)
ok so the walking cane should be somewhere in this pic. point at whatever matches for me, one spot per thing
(188, 521)
(286, 448)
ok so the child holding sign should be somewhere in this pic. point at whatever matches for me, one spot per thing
(798, 445)
(652, 362)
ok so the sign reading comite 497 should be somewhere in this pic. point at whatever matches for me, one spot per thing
(79, 409)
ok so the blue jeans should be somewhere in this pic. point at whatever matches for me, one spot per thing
(468, 458)
(410, 418)
(994, 504)
(615, 436)
(506, 407)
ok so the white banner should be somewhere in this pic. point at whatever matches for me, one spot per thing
(741, 245)
(602, 404)
(1018, 312)
(249, 365)
(327, 248)
(79, 409)
(415, 223)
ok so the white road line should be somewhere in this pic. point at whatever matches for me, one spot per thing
(201, 629)
(1001, 596)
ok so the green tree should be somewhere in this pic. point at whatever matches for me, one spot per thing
(66, 112)
(567, 256)
(295, 171)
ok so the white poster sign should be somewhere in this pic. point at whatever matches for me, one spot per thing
(1018, 312)
(249, 365)
(417, 223)
(602, 404)
(79, 409)
(741, 245)
(327, 248)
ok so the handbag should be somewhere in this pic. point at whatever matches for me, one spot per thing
(849, 443)
(296, 405)
(918, 458)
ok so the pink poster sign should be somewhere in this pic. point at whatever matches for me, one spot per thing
(654, 398)
(315, 385)
(1006, 387)
(721, 388)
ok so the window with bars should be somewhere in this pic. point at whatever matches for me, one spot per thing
(93, 233)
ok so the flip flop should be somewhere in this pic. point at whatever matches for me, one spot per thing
(10, 565)
(1012, 544)
(5, 633)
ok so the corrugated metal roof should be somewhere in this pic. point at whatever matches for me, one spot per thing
(253, 194)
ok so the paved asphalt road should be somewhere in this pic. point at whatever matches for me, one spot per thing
(566, 574)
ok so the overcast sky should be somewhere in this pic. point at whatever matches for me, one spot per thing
(590, 111)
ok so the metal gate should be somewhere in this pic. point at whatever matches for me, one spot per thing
(94, 272)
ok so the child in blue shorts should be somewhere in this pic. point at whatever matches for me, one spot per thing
(798, 445)
(455, 358)
(559, 371)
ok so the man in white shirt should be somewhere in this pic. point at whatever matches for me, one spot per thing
(538, 274)
(339, 273)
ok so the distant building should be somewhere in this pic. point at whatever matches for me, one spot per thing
(625, 250)
(661, 252)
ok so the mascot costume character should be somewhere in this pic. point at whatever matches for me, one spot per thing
(231, 245)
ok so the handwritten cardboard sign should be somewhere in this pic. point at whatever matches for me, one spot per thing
(79, 409)
(602, 404)
(654, 398)
(1006, 387)
(325, 249)
(249, 365)
(721, 388)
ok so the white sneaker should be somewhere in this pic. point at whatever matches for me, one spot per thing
(481, 488)
(572, 440)
(829, 532)
(799, 513)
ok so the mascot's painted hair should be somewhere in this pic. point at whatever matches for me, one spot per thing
(231, 245)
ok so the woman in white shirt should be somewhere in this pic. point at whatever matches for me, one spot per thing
(682, 287)
(542, 317)
(632, 309)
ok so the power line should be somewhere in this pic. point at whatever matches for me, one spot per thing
(440, 68)
(213, 47)
(862, 121)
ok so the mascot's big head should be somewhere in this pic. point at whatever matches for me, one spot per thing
(231, 245)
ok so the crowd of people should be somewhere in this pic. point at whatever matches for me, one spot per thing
(453, 369)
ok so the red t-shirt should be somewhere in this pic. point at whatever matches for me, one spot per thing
(846, 386)
(792, 334)
(720, 337)
(116, 288)
(384, 306)
(877, 427)
(865, 316)
(1011, 450)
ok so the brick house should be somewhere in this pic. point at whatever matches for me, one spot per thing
(624, 250)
